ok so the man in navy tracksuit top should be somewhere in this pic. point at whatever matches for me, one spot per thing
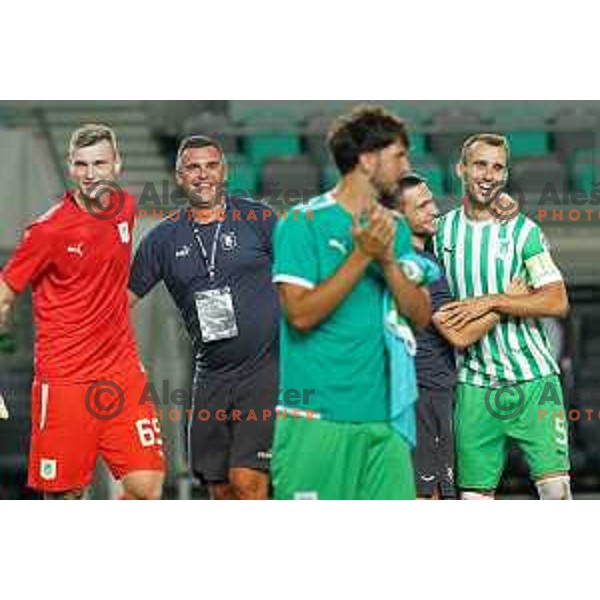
(215, 259)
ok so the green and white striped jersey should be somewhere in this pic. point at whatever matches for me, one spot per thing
(481, 258)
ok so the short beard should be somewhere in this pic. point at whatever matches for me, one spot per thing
(197, 201)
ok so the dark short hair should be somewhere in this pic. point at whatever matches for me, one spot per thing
(365, 129)
(196, 141)
(409, 181)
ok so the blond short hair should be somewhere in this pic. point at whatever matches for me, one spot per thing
(491, 139)
(90, 134)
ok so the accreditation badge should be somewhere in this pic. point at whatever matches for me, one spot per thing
(216, 314)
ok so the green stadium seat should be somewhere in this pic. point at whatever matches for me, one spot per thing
(329, 176)
(527, 143)
(417, 145)
(433, 173)
(583, 170)
(289, 180)
(454, 184)
(261, 146)
(243, 176)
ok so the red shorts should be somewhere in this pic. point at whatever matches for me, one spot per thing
(74, 423)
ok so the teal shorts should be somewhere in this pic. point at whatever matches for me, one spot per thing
(329, 460)
(486, 420)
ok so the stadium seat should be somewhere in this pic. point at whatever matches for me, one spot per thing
(450, 127)
(260, 146)
(503, 111)
(417, 145)
(315, 138)
(213, 125)
(526, 143)
(287, 181)
(168, 117)
(532, 178)
(583, 170)
(329, 176)
(567, 143)
(428, 168)
(243, 176)
(447, 145)
(453, 183)
(292, 112)
(574, 132)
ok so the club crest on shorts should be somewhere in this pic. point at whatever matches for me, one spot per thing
(48, 469)
(124, 231)
(229, 240)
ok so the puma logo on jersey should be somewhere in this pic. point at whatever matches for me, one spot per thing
(75, 249)
(182, 252)
(448, 250)
(338, 246)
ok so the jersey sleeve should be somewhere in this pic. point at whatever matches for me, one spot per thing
(540, 268)
(31, 258)
(295, 254)
(402, 239)
(440, 293)
(146, 269)
(268, 222)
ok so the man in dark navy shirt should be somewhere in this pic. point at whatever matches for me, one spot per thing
(435, 362)
(215, 258)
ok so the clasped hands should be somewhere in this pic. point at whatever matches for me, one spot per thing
(375, 238)
(460, 313)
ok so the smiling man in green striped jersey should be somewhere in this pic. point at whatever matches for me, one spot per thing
(484, 248)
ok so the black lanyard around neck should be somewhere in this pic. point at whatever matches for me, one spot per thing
(211, 265)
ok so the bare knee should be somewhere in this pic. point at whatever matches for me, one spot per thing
(249, 484)
(477, 495)
(554, 487)
(222, 491)
(143, 485)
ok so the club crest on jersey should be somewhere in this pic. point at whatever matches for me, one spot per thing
(503, 248)
(124, 231)
(48, 469)
(229, 240)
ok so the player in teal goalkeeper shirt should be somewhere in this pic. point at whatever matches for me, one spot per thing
(333, 265)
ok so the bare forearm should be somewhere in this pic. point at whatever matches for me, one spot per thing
(7, 300)
(470, 333)
(307, 308)
(549, 301)
(411, 300)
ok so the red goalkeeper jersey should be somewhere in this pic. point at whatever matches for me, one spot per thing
(78, 267)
